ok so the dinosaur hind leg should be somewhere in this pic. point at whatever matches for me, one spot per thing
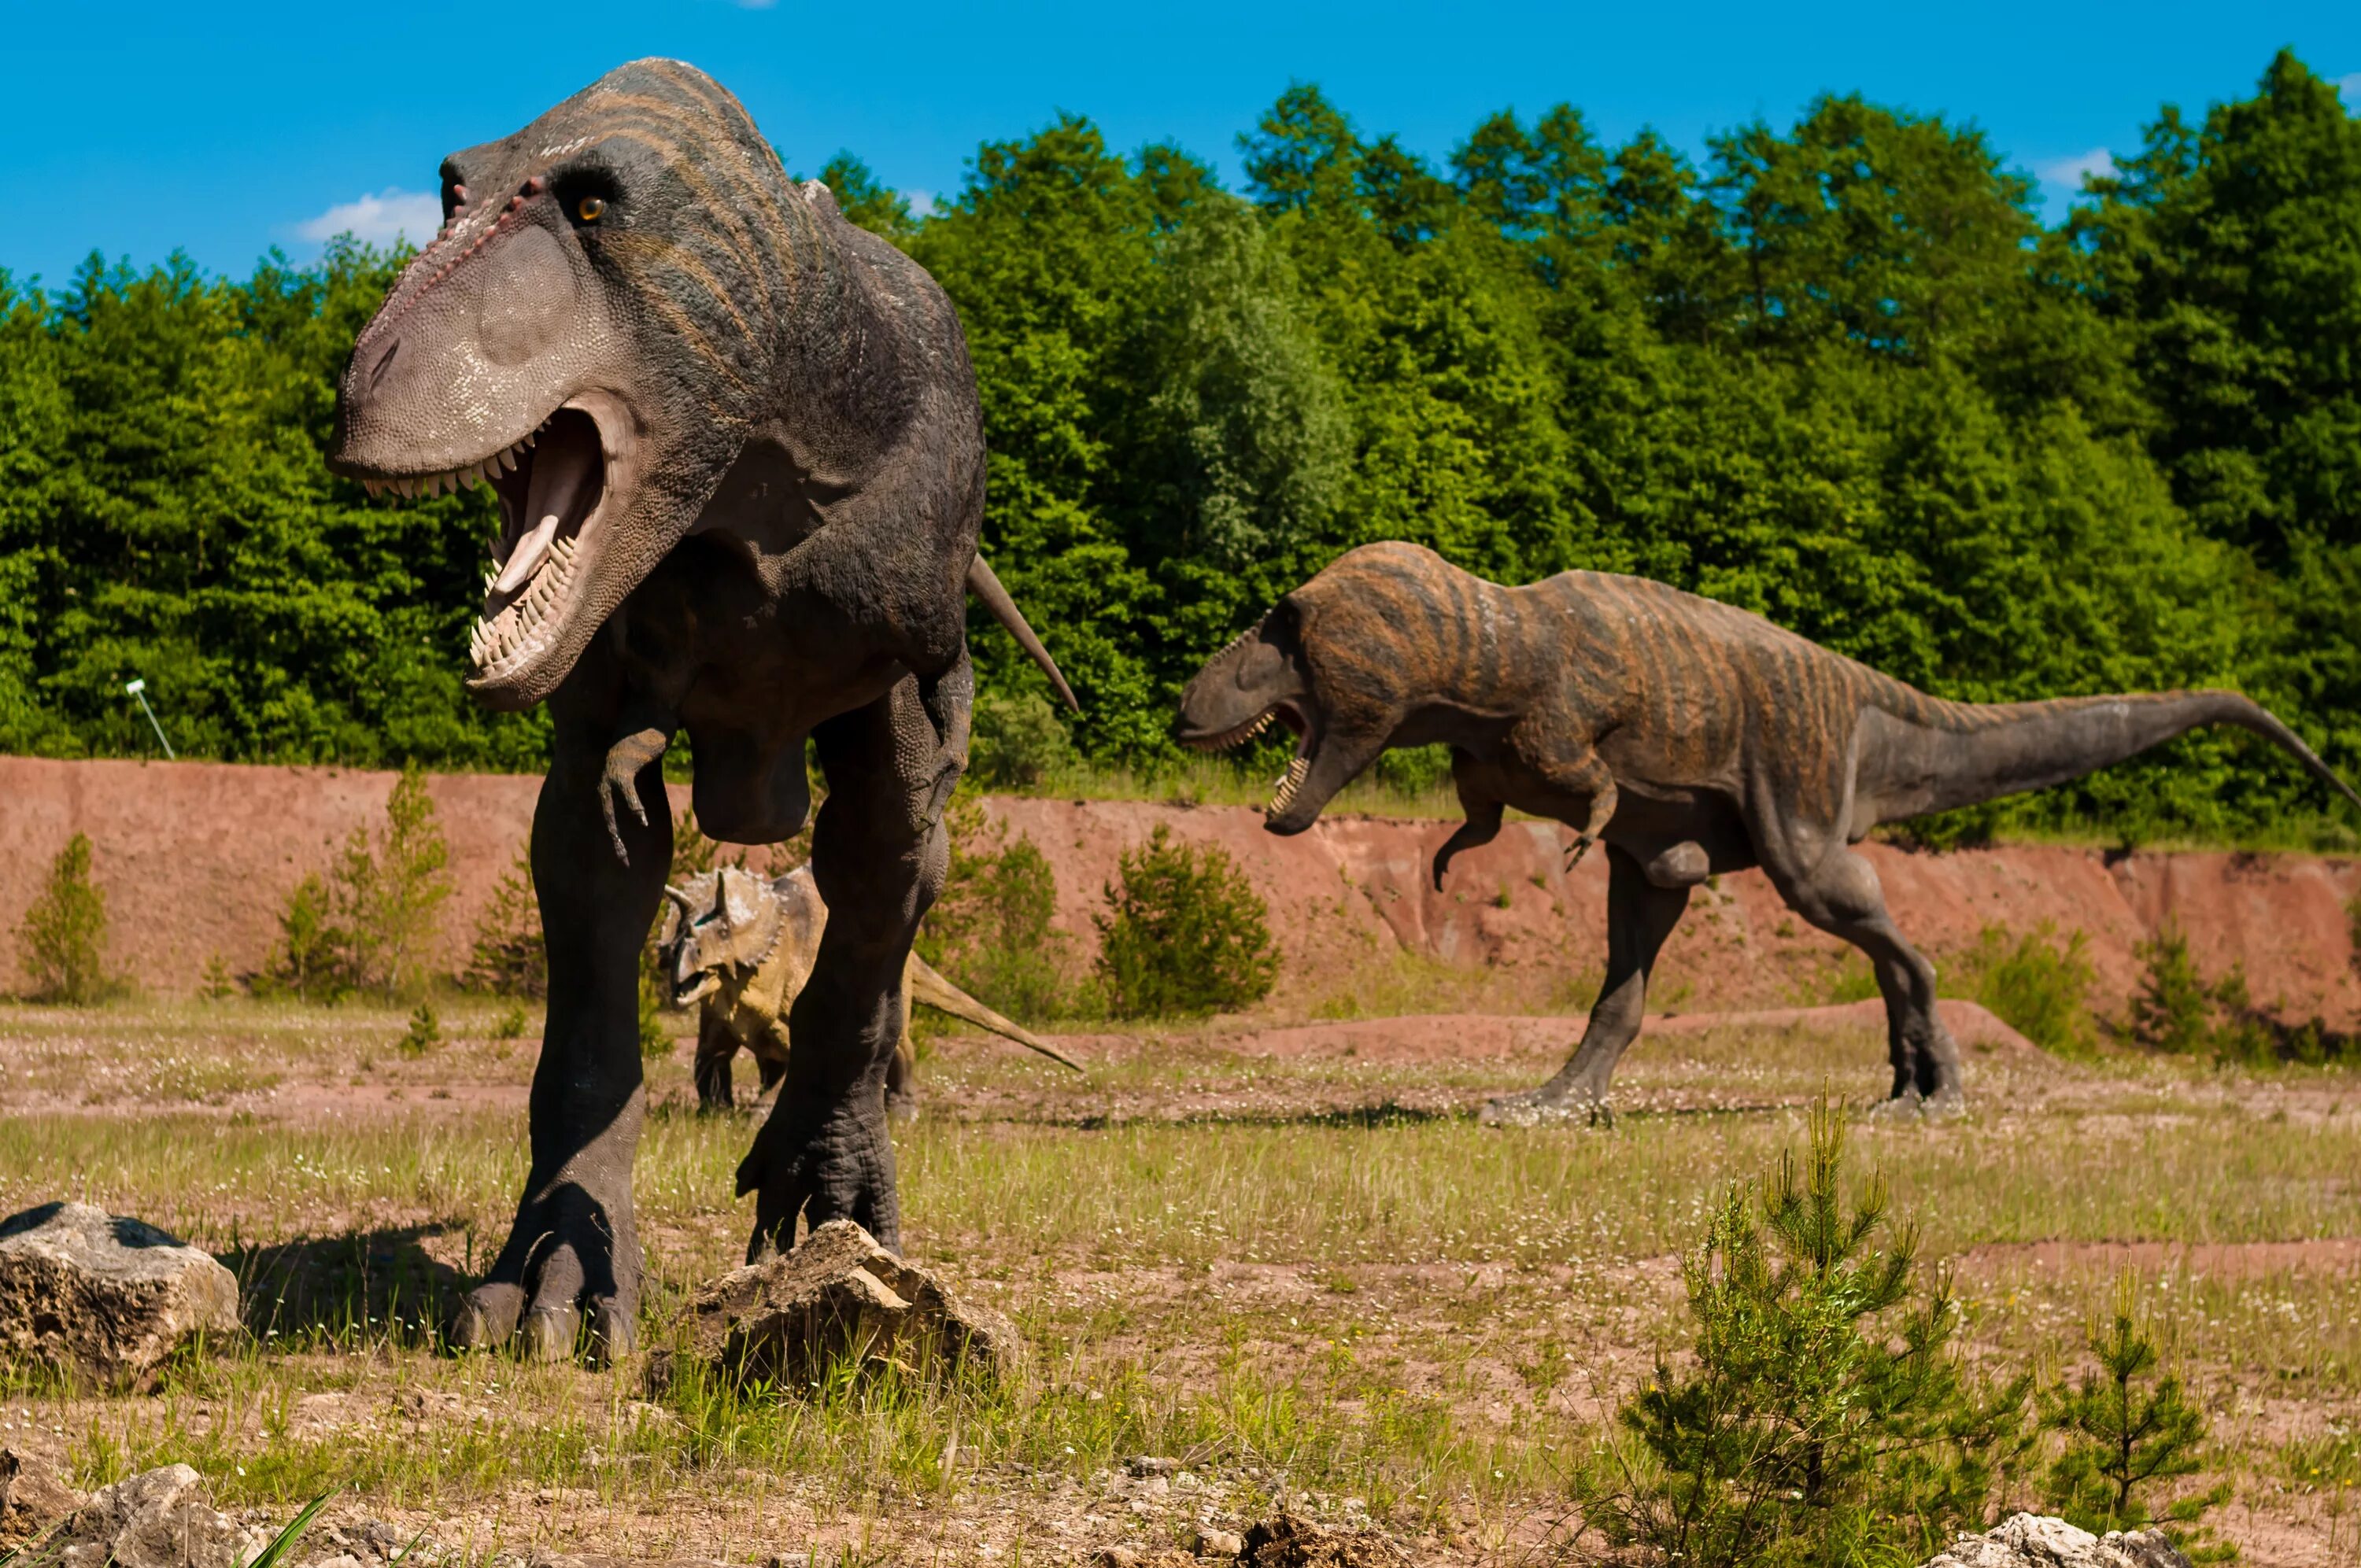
(1639, 916)
(717, 1047)
(1841, 896)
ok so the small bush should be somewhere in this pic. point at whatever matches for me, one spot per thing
(373, 923)
(1825, 1416)
(425, 1032)
(508, 1024)
(2036, 984)
(1187, 934)
(507, 956)
(312, 962)
(1017, 742)
(218, 984)
(990, 930)
(61, 940)
(2173, 1010)
(2128, 1433)
(655, 1043)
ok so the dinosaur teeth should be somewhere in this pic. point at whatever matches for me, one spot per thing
(1289, 784)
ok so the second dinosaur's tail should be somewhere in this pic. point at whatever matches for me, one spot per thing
(931, 988)
(1944, 755)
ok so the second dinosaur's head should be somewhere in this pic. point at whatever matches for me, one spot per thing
(718, 925)
(1336, 661)
(589, 334)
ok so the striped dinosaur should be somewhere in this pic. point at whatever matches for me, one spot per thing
(739, 946)
(1693, 739)
(739, 464)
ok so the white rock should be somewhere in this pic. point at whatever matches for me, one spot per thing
(2034, 1540)
(93, 1292)
(155, 1519)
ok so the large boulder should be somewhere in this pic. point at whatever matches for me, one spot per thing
(154, 1520)
(93, 1292)
(837, 1295)
(2034, 1540)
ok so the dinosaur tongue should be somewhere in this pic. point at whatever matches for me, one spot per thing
(563, 483)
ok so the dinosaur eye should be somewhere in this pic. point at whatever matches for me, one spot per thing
(590, 209)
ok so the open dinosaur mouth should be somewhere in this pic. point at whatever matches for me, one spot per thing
(1282, 712)
(548, 495)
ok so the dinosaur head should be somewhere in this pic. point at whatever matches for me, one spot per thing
(718, 927)
(1311, 666)
(587, 334)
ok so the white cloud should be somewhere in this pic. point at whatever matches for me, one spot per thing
(379, 219)
(2069, 171)
(2350, 86)
(921, 202)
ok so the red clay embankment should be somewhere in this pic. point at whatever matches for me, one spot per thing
(196, 859)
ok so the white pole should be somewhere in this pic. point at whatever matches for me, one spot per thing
(138, 689)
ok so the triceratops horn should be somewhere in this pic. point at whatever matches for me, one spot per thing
(676, 895)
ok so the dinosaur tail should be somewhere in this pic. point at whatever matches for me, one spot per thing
(985, 584)
(1953, 754)
(930, 987)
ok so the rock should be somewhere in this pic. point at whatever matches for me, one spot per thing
(1213, 1542)
(1287, 1542)
(91, 1292)
(155, 1519)
(1149, 1465)
(839, 1295)
(32, 1499)
(2033, 1540)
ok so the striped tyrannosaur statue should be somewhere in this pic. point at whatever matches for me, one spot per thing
(1689, 737)
(739, 465)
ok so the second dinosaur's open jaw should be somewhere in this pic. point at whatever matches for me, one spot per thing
(550, 501)
(1284, 711)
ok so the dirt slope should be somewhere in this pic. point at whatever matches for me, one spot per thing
(196, 859)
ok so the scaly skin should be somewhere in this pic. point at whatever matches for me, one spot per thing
(1691, 737)
(740, 466)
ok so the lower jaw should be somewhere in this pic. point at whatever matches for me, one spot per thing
(1290, 785)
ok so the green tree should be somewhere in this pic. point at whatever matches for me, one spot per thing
(62, 941)
(1184, 933)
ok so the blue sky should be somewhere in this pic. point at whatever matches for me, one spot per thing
(137, 129)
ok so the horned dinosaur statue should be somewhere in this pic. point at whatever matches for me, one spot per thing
(742, 947)
(739, 464)
(1691, 736)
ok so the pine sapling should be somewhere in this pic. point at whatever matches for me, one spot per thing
(2129, 1432)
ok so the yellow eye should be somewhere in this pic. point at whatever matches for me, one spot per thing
(589, 209)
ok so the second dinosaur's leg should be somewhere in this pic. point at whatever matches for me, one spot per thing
(717, 1047)
(1841, 896)
(1483, 809)
(1639, 916)
(879, 856)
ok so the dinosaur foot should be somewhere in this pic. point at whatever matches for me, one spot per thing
(1540, 1108)
(1910, 1105)
(567, 1286)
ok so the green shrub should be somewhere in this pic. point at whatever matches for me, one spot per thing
(990, 930)
(2036, 984)
(61, 940)
(1017, 742)
(425, 1032)
(1825, 1416)
(1187, 934)
(390, 892)
(508, 1024)
(2173, 1010)
(2128, 1433)
(218, 984)
(655, 1043)
(507, 957)
(313, 960)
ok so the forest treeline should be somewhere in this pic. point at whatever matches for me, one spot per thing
(1839, 373)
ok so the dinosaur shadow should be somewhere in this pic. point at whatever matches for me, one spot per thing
(346, 1291)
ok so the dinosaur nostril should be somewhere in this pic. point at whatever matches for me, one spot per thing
(384, 363)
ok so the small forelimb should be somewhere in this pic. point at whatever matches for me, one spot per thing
(626, 759)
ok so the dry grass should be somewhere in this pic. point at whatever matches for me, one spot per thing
(1315, 1274)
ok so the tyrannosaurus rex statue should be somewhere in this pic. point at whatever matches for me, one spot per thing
(1691, 736)
(741, 946)
(740, 464)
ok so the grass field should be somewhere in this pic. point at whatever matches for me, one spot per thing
(1312, 1275)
